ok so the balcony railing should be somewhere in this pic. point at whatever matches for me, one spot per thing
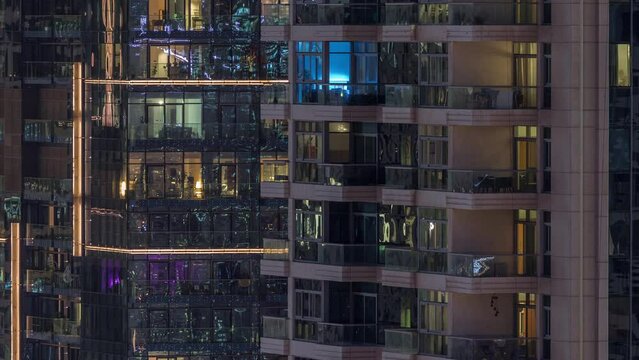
(48, 236)
(403, 341)
(337, 94)
(52, 326)
(485, 97)
(463, 181)
(274, 171)
(492, 181)
(508, 265)
(46, 189)
(348, 174)
(274, 94)
(485, 13)
(346, 334)
(400, 177)
(275, 14)
(347, 254)
(47, 72)
(275, 327)
(491, 348)
(398, 258)
(412, 342)
(48, 131)
(436, 96)
(42, 281)
(493, 13)
(279, 245)
(463, 265)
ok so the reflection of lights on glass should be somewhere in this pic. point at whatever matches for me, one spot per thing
(431, 226)
(123, 188)
(161, 102)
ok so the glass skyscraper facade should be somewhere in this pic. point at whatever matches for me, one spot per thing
(174, 177)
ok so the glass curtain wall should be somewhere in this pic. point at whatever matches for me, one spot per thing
(180, 168)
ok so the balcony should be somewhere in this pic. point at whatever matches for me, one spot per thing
(478, 348)
(47, 72)
(58, 236)
(47, 131)
(274, 94)
(490, 181)
(402, 95)
(48, 329)
(336, 174)
(508, 265)
(412, 342)
(275, 259)
(461, 265)
(493, 98)
(336, 254)
(403, 341)
(347, 254)
(275, 327)
(346, 334)
(400, 177)
(337, 94)
(52, 282)
(46, 189)
(274, 338)
(279, 249)
(275, 14)
(403, 259)
(462, 181)
(489, 13)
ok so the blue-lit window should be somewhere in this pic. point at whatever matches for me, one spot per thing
(350, 76)
(309, 61)
(339, 62)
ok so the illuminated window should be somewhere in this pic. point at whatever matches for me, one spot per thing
(620, 65)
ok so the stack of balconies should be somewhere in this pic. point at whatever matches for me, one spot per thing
(481, 188)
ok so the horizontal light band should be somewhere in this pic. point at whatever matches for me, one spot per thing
(161, 82)
(185, 251)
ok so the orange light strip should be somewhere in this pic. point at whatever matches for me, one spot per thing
(78, 159)
(16, 287)
(164, 82)
(185, 251)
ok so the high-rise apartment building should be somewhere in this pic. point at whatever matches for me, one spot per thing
(449, 182)
(236, 179)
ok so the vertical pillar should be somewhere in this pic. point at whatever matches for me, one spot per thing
(78, 159)
(16, 288)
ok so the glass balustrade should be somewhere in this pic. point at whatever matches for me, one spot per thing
(346, 334)
(400, 258)
(491, 348)
(491, 181)
(463, 265)
(274, 327)
(403, 341)
(279, 249)
(409, 13)
(347, 254)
